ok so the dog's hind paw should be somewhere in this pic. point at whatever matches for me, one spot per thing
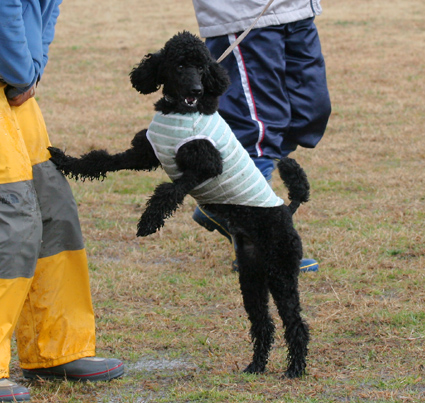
(254, 368)
(292, 373)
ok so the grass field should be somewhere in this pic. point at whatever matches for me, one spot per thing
(169, 305)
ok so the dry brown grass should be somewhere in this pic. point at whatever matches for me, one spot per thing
(168, 304)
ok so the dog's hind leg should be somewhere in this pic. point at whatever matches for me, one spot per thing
(284, 289)
(255, 294)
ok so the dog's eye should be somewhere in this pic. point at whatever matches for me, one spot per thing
(180, 67)
(200, 69)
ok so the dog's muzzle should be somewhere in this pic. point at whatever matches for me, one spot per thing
(191, 101)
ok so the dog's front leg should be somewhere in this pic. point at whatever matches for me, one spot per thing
(95, 164)
(198, 160)
(167, 197)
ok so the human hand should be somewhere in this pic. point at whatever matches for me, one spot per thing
(21, 98)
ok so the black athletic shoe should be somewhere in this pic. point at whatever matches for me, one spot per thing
(211, 222)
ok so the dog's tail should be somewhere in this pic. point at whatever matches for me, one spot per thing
(296, 181)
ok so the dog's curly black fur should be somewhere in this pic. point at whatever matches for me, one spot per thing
(269, 249)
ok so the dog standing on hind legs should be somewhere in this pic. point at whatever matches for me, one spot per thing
(197, 149)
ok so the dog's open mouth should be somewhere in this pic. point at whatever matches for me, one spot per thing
(191, 101)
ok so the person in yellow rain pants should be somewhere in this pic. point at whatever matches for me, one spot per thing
(44, 284)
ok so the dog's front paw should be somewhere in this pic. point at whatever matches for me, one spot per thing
(58, 157)
(145, 230)
(65, 163)
(149, 224)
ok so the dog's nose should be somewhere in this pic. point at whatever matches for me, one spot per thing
(196, 91)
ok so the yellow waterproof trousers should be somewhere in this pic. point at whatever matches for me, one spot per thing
(44, 285)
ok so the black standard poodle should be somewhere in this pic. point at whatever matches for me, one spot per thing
(201, 155)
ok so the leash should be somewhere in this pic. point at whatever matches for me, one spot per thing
(244, 33)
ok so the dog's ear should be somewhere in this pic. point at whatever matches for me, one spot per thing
(216, 80)
(145, 78)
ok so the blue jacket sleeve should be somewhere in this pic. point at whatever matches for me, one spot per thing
(49, 34)
(17, 67)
